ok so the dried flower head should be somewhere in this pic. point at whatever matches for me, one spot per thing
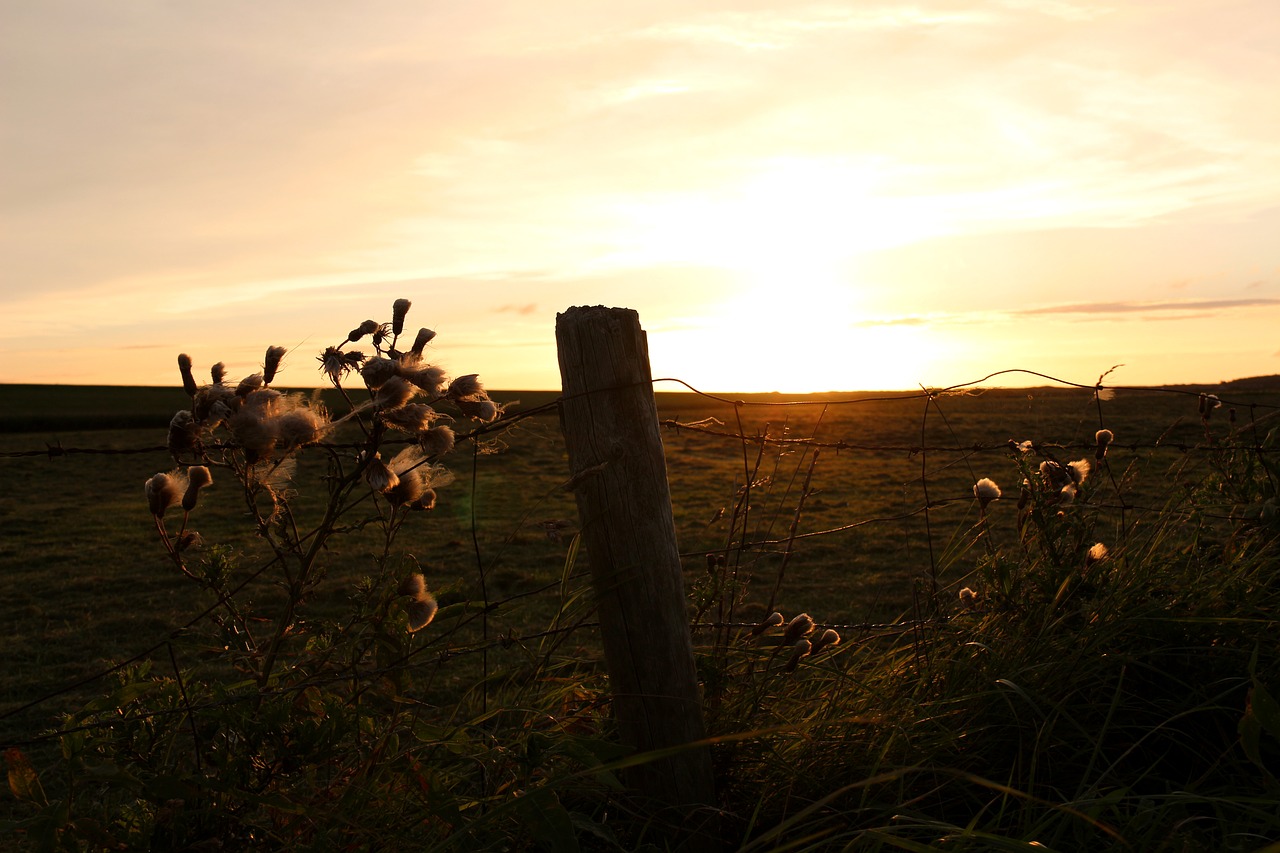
(379, 476)
(189, 541)
(800, 626)
(482, 409)
(188, 379)
(437, 441)
(377, 371)
(1103, 437)
(271, 364)
(1208, 402)
(1096, 554)
(421, 611)
(773, 620)
(399, 309)
(163, 491)
(968, 599)
(465, 386)
(249, 384)
(1079, 471)
(828, 638)
(986, 491)
(799, 649)
(335, 363)
(218, 373)
(414, 585)
(1067, 493)
(182, 432)
(413, 417)
(368, 327)
(428, 377)
(300, 426)
(424, 337)
(394, 393)
(1053, 474)
(198, 477)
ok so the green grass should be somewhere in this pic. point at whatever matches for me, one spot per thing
(1068, 708)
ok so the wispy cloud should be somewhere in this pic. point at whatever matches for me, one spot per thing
(1201, 306)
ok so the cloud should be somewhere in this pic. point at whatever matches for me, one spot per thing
(522, 310)
(1197, 305)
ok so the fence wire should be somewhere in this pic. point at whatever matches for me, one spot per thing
(1244, 436)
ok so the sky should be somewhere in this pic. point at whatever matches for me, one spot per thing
(795, 197)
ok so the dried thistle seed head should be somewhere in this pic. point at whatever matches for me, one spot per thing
(334, 364)
(829, 637)
(254, 429)
(249, 384)
(300, 426)
(1053, 474)
(1096, 554)
(271, 364)
(198, 477)
(420, 342)
(1067, 493)
(800, 626)
(436, 441)
(408, 489)
(163, 491)
(773, 620)
(379, 476)
(366, 328)
(421, 611)
(482, 409)
(968, 598)
(413, 417)
(428, 377)
(218, 373)
(465, 386)
(1103, 437)
(424, 501)
(986, 491)
(414, 585)
(799, 649)
(182, 432)
(1079, 471)
(376, 371)
(394, 393)
(399, 309)
(188, 379)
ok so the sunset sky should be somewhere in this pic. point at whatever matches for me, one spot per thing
(794, 196)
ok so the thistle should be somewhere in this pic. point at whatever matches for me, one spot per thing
(986, 491)
(398, 309)
(188, 380)
(163, 491)
(773, 620)
(271, 364)
(798, 627)
(1103, 438)
(799, 649)
(198, 477)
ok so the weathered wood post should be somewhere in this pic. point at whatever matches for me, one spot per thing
(611, 431)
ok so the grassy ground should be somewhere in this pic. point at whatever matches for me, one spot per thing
(84, 582)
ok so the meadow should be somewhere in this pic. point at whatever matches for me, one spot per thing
(1060, 704)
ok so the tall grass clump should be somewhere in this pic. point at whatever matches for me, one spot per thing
(301, 711)
(1094, 675)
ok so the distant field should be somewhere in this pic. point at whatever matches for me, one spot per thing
(83, 582)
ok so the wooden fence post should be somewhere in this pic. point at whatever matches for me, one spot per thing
(611, 431)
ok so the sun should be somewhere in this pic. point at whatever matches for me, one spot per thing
(796, 319)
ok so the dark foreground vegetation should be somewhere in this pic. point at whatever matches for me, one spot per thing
(1089, 662)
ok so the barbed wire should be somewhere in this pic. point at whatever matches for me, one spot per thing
(707, 427)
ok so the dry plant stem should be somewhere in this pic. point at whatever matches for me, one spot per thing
(924, 484)
(791, 534)
(484, 590)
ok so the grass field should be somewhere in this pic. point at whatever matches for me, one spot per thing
(85, 583)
